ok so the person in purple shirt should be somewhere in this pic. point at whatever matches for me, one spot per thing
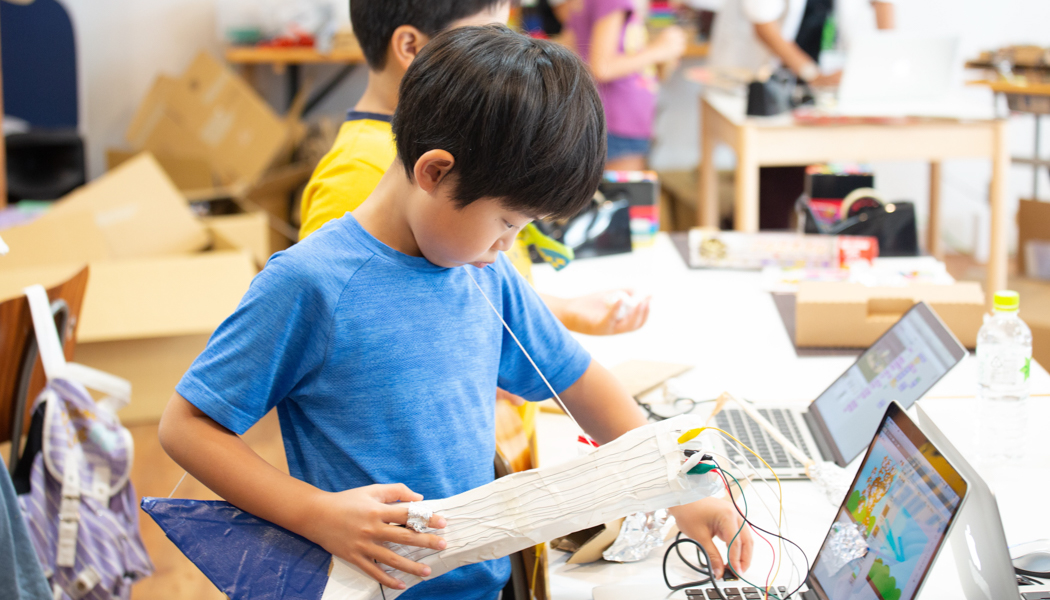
(611, 36)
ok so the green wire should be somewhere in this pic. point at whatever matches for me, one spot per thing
(730, 544)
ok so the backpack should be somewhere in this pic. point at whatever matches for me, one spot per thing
(81, 510)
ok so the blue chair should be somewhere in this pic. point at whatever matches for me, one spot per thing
(40, 87)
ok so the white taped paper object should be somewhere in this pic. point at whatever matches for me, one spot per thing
(3, 247)
(638, 472)
(629, 303)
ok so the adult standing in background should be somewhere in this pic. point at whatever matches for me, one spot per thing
(752, 35)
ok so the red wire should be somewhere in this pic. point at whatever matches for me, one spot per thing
(771, 549)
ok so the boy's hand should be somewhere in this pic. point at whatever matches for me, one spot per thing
(515, 400)
(706, 519)
(603, 314)
(353, 524)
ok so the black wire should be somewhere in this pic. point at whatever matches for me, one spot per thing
(703, 567)
(655, 416)
(747, 522)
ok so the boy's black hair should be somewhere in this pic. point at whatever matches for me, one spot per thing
(521, 117)
(374, 21)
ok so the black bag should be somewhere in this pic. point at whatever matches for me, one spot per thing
(892, 224)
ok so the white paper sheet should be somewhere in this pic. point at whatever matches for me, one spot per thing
(637, 472)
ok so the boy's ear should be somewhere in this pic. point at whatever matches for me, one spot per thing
(432, 168)
(405, 44)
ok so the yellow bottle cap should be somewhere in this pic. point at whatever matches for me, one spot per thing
(1006, 301)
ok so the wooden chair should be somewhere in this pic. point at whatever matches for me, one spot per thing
(21, 372)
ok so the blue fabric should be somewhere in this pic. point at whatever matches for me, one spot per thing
(383, 368)
(358, 115)
(21, 577)
(246, 557)
(39, 63)
(620, 146)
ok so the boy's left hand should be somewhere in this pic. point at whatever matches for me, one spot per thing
(706, 519)
(601, 314)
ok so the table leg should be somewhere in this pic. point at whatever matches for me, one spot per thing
(745, 206)
(293, 83)
(707, 193)
(933, 233)
(997, 258)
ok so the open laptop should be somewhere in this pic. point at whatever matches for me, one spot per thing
(902, 504)
(898, 75)
(901, 366)
(982, 555)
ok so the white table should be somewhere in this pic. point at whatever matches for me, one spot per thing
(728, 327)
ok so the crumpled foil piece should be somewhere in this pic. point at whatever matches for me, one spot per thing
(845, 545)
(830, 479)
(419, 517)
(640, 534)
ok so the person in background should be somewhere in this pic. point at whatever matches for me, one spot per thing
(754, 35)
(391, 34)
(611, 36)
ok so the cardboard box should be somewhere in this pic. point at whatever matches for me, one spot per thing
(147, 320)
(210, 113)
(1033, 223)
(851, 315)
(246, 231)
(186, 172)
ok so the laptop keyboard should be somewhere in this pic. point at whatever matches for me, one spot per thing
(733, 593)
(750, 433)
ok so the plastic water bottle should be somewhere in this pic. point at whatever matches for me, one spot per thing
(1004, 358)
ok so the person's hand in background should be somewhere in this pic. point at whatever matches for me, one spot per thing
(515, 400)
(602, 313)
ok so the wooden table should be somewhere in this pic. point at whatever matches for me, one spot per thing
(1031, 98)
(777, 141)
(291, 61)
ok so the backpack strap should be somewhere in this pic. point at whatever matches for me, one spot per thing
(117, 390)
(69, 511)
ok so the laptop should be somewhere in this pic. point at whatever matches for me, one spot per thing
(901, 504)
(898, 75)
(900, 366)
(978, 541)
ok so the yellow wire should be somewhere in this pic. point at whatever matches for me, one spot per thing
(692, 433)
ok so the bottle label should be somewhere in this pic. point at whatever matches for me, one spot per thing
(1006, 368)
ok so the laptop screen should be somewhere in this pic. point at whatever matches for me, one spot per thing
(902, 365)
(894, 519)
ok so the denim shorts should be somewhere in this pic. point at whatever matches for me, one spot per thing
(620, 146)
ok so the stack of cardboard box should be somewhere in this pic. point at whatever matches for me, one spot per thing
(161, 280)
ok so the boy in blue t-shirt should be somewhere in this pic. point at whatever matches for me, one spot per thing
(375, 345)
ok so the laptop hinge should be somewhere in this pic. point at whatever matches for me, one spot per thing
(818, 437)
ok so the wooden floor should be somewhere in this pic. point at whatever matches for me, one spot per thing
(154, 474)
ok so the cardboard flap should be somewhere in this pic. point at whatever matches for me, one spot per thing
(138, 209)
(181, 295)
(186, 172)
(640, 376)
(13, 281)
(59, 239)
(247, 231)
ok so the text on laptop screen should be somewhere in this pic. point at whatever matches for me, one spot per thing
(902, 365)
(902, 502)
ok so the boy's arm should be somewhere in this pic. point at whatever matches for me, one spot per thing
(605, 410)
(351, 524)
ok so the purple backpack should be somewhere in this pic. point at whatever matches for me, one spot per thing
(81, 510)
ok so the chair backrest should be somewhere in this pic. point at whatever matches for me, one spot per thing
(21, 372)
(39, 63)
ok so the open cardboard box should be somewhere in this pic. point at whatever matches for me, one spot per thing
(218, 139)
(1033, 223)
(152, 300)
(851, 315)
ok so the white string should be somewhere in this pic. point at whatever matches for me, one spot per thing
(557, 398)
(177, 484)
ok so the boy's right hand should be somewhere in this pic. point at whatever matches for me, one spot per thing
(354, 524)
(670, 43)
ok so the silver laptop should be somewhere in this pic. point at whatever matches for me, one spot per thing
(900, 366)
(982, 555)
(901, 505)
(896, 74)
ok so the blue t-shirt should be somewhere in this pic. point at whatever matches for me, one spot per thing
(383, 368)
